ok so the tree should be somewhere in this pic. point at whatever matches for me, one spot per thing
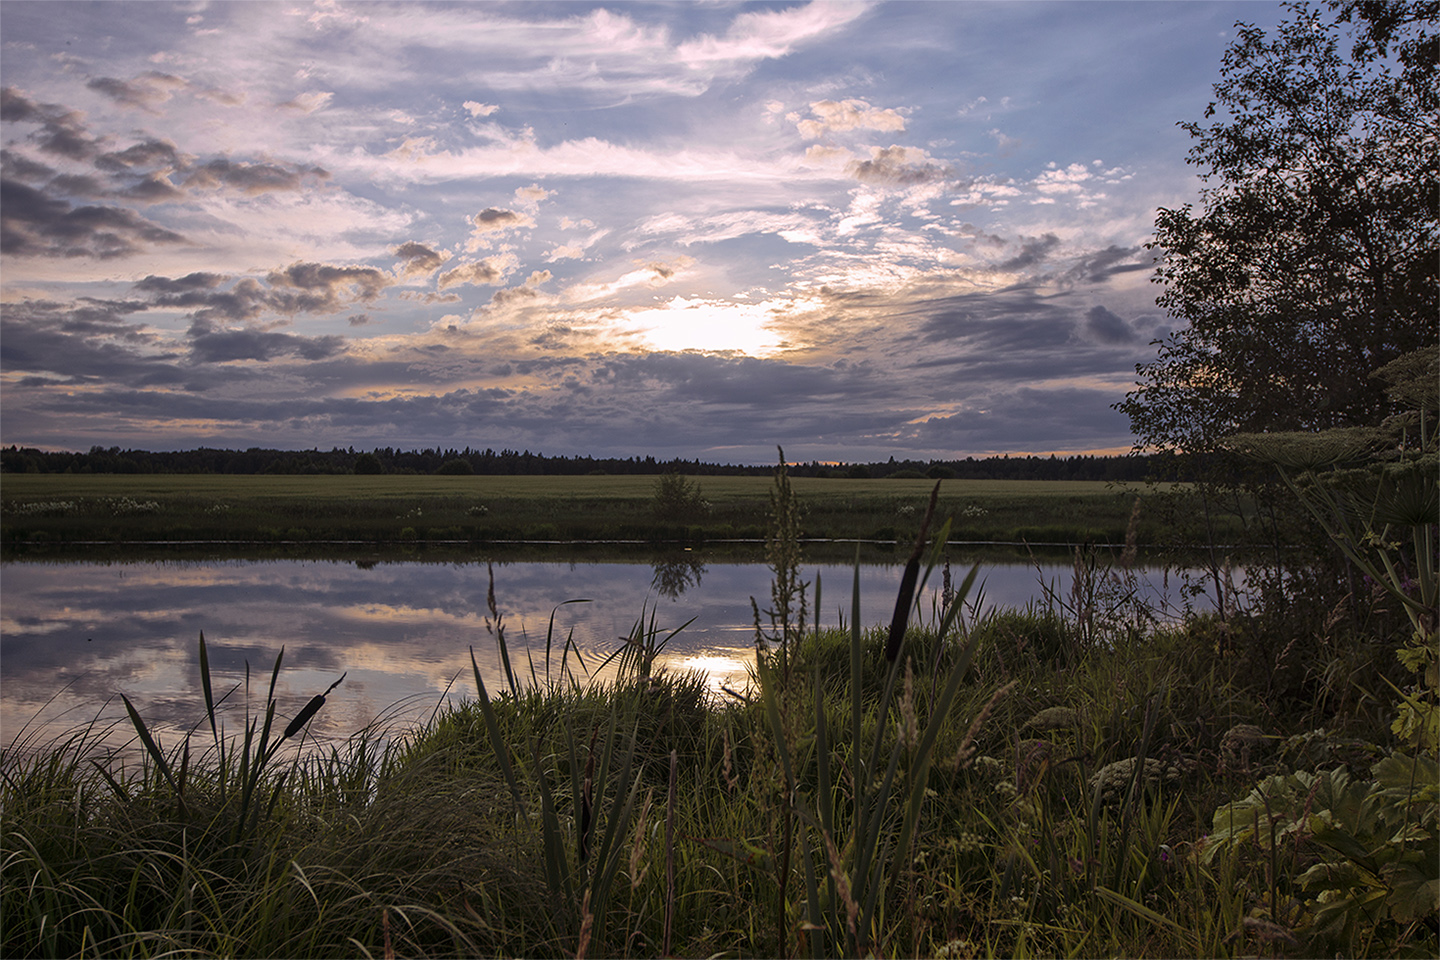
(1312, 261)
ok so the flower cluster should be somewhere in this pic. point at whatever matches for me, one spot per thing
(43, 508)
(124, 506)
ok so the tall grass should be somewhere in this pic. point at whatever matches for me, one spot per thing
(955, 784)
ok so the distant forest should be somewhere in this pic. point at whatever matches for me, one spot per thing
(514, 463)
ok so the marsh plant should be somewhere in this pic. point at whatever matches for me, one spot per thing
(955, 781)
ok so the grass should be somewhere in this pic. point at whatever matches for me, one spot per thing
(48, 510)
(1015, 784)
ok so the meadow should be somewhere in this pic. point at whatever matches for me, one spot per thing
(55, 509)
(1071, 779)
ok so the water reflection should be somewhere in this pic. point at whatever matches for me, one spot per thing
(676, 573)
(75, 635)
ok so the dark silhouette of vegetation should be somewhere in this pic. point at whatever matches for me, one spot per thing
(488, 462)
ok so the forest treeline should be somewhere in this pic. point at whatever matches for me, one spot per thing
(14, 459)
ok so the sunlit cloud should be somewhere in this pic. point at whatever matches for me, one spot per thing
(629, 229)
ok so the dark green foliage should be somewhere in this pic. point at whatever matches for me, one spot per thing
(368, 464)
(1313, 260)
(455, 467)
(678, 498)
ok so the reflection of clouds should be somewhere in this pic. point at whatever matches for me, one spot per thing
(403, 631)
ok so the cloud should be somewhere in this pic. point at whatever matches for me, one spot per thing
(835, 116)
(1107, 327)
(165, 286)
(491, 270)
(62, 131)
(418, 259)
(34, 225)
(323, 288)
(478, 110)
(1109, 263)
(15, 166)
(252, 179)
(769, 34)
(896, 166)
(532, 194)
(565, 252)
(148, 154)
(1032, 253)
(147, 91)
(211, 345)
(309, 102)
(492, 222)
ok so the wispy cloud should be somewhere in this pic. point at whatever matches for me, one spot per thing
(611, 229)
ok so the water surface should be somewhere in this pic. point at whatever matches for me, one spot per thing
(74, 635)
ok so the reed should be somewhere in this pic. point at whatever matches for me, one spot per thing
(1012, 783)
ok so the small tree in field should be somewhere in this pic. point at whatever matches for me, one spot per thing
(678, 498)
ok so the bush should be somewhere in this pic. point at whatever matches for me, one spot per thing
(455, 468)
(678, 498)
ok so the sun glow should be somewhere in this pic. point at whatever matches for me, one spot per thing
(716, 325)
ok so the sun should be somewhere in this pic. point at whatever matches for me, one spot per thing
(712, 325)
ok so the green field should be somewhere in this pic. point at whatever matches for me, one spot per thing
(63, 508)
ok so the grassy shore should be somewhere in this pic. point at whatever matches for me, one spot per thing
(1046, 782)
(58, 509)
(1073, 779)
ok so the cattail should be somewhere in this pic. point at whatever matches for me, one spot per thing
(311, 708)
(907, 584)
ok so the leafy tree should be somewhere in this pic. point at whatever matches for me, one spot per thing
(368, 463)
(455, 467)
(678, 498)
(1312, 261)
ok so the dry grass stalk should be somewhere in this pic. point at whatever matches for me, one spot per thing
(587, 923)
(966, 752)
(637, 847)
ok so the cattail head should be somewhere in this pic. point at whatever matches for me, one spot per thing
(311, 708)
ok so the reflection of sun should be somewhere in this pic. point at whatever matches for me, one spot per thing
(697, 324)
(718, 669)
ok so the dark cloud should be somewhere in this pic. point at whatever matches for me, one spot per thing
(153, 190)
(86, 341)
(19, 108)
(493, 218)
(252, 179)
(16, 167)
(211, 345)
(147, 155)
(185, 284)
(419, 259)
(896, 166)
(514, 294)
(61, 130)
(1107, 327)
(76, 185)
(1012, 323)
(323, 287)
(1032, 419)
(145, 91)
(1032, 253)
(33, 224)
(1109, 263)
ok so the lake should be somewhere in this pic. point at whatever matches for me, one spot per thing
(75, 635)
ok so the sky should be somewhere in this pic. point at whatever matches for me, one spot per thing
(691, 229)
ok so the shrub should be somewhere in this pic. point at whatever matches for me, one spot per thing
(678, 498)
